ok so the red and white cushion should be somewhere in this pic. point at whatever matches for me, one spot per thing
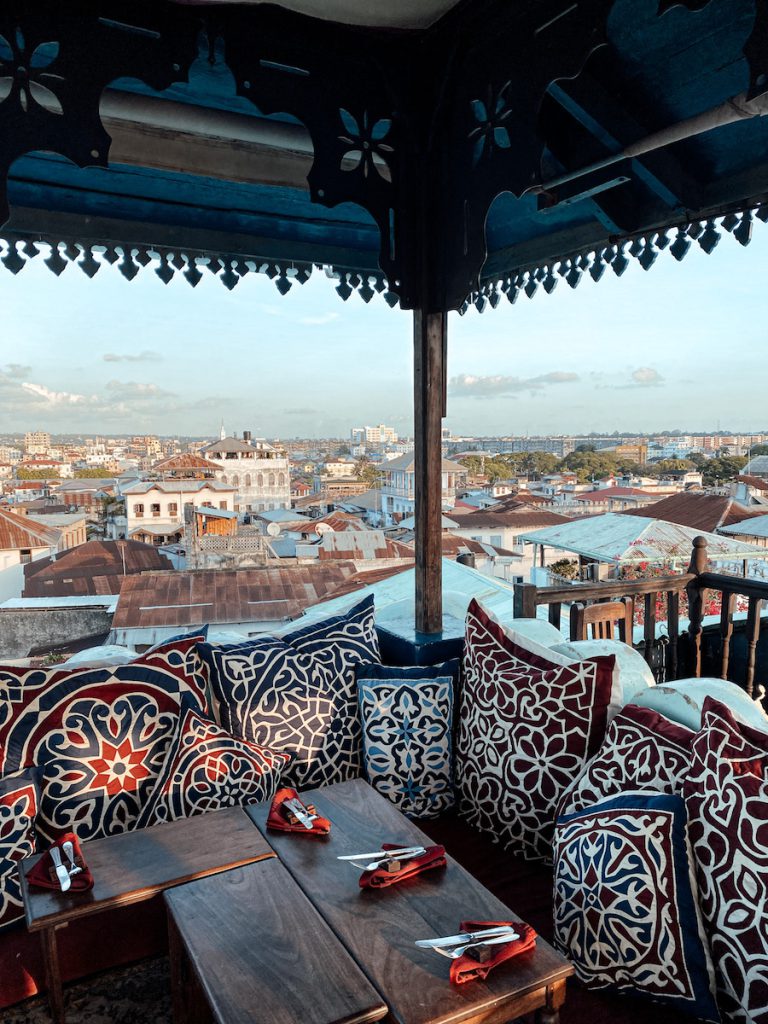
(206, 769)
(527, 727)
(19, 799)
(642, 750)
(726, 796)
(99, 734)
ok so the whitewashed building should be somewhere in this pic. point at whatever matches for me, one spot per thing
(398, 497)
(259, 473)
(154, 509)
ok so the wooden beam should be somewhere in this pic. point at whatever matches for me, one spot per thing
(428, 348)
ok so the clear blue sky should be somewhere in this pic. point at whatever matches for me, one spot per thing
(682, 346)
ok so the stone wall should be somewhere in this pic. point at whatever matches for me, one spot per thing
(22, 629)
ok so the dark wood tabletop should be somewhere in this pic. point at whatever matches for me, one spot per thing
(135, 866)
(261, 952)
(379, 927)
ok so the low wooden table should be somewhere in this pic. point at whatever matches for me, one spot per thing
(249, 946)
(379, 927)
(136, 866)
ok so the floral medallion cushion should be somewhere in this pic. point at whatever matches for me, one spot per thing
(207, 769)
(726, 794)
(19, 801)
(407, 745)
(100, 735)
(297, 694)
(642, 750)
(625, 910)
(525, 731)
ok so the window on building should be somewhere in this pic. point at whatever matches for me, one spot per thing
(173, 508)
(138, 511)
(25, 555)
(155, 509)
(223, 504)
(207, 504)
(235, 480)
(281, 479)
(247, 479)
(260, 479)
(271, 479)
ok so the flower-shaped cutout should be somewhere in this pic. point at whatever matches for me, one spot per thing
(492, 115)
(20, 71)
(367, 149)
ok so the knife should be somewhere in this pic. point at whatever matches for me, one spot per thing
(61, 872)
(457, 940)
(297, 808)
(413, 851)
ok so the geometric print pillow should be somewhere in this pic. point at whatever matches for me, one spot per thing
(407, 741)
(525, 732)
(625, 909)
(296, 694)
(100, 735)
(207, 769)
(726, 795)
(642, 750)
(19, 795)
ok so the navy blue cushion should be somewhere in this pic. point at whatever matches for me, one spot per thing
(296, 694)
(625, 905)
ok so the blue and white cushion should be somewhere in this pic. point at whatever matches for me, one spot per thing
(296, 694)
(625, 905)
(407, 747)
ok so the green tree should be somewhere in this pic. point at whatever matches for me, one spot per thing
(90, 474)
(37, 474)
(722, 470)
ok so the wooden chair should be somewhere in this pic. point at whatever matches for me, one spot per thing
(598, 621)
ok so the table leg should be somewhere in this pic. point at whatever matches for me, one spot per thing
(188, 1001)
(550, 1012)
(53, 974)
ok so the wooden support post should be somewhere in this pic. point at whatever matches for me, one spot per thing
(429, 397)
(698, 565)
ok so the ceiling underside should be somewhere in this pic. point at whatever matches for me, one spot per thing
(200, 165)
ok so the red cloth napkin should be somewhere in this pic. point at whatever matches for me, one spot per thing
(467, 969)
(278, 818)
(43, 874)
(433, 857)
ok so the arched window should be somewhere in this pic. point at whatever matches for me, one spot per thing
(260, 479)
(281, 479)
(235, 480)
(271, 479)
(247, 479)
(224, 478)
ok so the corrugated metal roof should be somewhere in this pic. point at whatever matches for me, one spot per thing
(97, 567)
(22, 532)
(518, 514)
(405, 463)
(754, 481)
(94, 601)
(755, 526)
(361, 545)
(624, 539)
(607, 493)
(697, 510)
(183, 462)
(176, 486)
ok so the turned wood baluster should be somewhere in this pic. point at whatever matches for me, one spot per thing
(673, 629)
(753, 633)
(726, 631)
(695, 593)
(649, 629)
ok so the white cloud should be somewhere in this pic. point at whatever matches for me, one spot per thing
(467, 385)
(54, 397)
(147, 356)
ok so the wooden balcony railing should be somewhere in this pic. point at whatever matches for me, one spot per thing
(696, 583)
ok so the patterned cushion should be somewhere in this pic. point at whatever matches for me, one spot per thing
(296, 693)
(19, 798)
(726, 794)
(624, 901)
(524, 733)
(100, 735)
(407, 740)
(642, 750)
(207, 769)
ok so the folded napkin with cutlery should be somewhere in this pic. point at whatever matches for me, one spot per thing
(468, 967)
(282, 817)
(383, 875)
(56, 867)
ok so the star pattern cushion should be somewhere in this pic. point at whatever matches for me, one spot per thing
(407, 741)
(207, 769)
(100, 735)
(625, 908)
(726, 794)
(296, 694)
(19, 798)
(525, 731)
(642, 750)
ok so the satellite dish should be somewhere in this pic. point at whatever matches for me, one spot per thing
(273, 529)
(322, 528)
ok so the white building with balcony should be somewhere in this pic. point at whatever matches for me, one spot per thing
(154, 509)
(259, 473)
(398, 497)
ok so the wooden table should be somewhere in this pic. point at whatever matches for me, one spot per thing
(248, 946)
(136, 866)
(379, 927)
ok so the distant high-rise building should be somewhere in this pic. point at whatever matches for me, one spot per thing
(374, 435)
(37, 442)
